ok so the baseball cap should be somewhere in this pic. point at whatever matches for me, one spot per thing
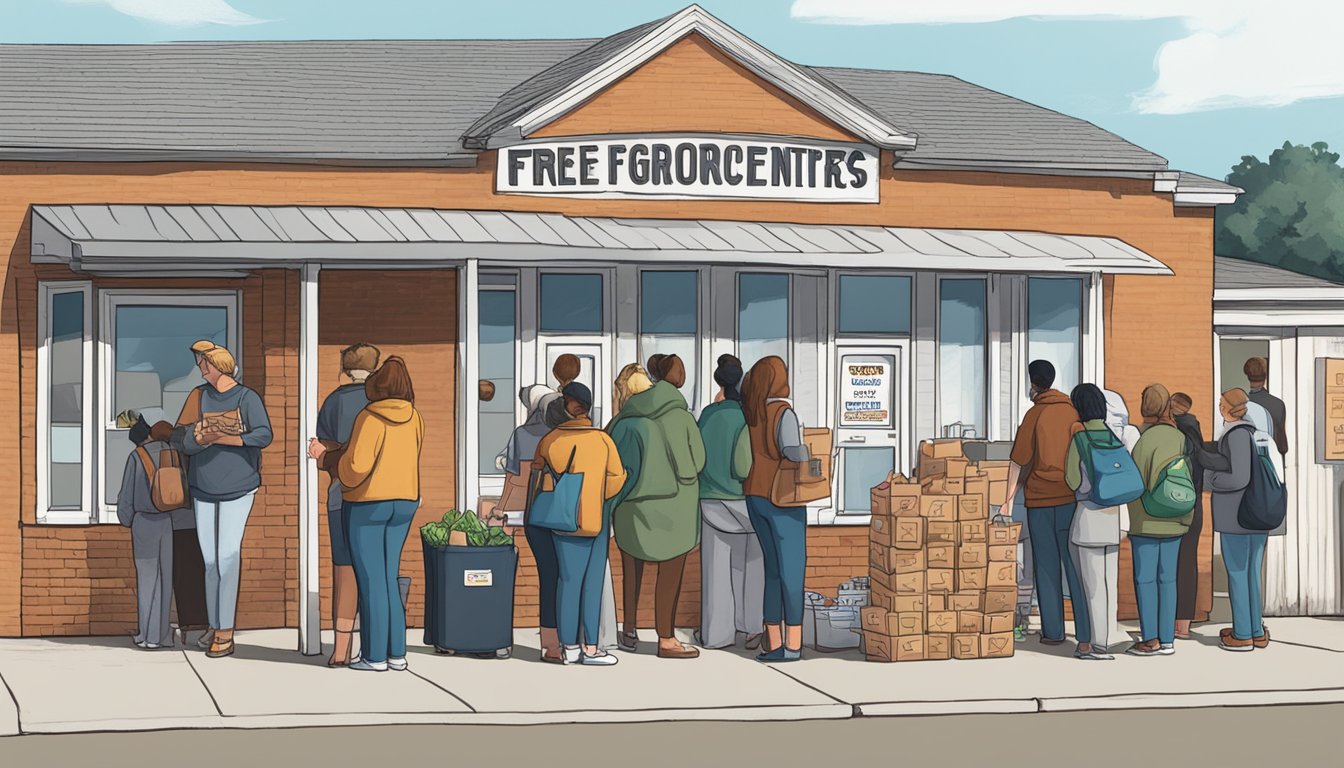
(579, 393)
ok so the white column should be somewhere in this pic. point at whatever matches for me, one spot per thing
(469, 365)
(310, 616)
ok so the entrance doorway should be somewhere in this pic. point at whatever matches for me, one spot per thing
(869, 421)
(592, 370)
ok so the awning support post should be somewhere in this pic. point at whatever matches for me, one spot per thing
(310, 600)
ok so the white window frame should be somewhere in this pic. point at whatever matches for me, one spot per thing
(492, 484)
(788, 295)
(45, 515)
(699, 393)
(109, 300)
(991, 377)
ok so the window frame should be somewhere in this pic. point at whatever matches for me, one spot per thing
(109, 299)
(697, 338)
(1081, 281)
(45, 515)
(984, 431)
(502, 281)
(851, 335)
(788, 312)
(605, 276)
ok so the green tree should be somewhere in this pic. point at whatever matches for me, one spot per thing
(1292, 214)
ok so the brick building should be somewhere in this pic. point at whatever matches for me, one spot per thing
(481, 207)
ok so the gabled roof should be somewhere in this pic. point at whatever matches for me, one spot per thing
(575, 80)
(1233, 274)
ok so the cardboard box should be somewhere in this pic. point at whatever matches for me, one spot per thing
(950, 448)
(881, 596)
(878, 647)
(941, 621)
(973, 531)
(972, 507)
(937, 646)
(999, 600)
(970, 621)
(973, 556)
(944, 486)
(999, 535)
(933, 468)
(882, 530)
(935, 601)
(873, 619)
(938, 507)
(908, 533)
(941, 556)
(940, 580)
(966, 645)
(910, 603)
(998, 622)
(879, 579)
(994, 471)
(908, 583)
(907, 624)
(1003, 553)
(1001, 575)
(941, 532)
(909, 648)
(893, 560)
(971, 579)
(965, 601)
(895, 497)
(996, 646)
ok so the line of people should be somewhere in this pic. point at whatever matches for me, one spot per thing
(662, 484)
(1079, 461)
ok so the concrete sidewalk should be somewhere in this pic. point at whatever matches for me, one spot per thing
(104, 684)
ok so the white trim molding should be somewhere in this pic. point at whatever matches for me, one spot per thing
(87, 511)
(310, 595)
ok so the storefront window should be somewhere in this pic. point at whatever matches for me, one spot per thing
(668, 306)
(498, 334)
(874, 305)
(762, 317)
(1055, 327)
(66, 386)
(961, 357)
(571, 303)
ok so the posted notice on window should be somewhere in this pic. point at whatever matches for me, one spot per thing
(865, 392)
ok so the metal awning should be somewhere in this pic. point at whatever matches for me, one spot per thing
(216, 238)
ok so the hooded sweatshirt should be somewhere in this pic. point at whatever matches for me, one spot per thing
(382, 460)
(227, 472)
(1160, 444)
(657, 514)
(522, 447)
(1042, 445)
(727, 451)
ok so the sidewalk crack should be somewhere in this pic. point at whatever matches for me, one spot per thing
(18, 712)
(811, 687)
(187, 657)
(445, 690)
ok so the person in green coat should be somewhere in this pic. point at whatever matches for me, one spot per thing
(657, 514)
(732, 566)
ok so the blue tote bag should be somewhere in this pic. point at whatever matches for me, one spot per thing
(558, 509)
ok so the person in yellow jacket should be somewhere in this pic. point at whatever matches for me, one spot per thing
(380, 472)
(577, 447)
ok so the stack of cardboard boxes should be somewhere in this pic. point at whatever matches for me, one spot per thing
(942, 575)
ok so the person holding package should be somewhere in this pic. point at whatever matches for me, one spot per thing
(1187, 563)
(732, 572)
(1243, 548)
(1155, 534)
(151, 533)
(657, 518)
(1039, 461)
(776, 436)
(380, 472)
(576, 446)
(335, 423)
(229, 429)
(1094, 536)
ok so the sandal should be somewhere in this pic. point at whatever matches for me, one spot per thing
(220, 650)
(349, 642)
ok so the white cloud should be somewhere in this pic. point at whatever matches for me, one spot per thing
(179, 13)
(1236, 53)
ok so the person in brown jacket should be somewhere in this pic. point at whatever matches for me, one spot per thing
(1040, 453)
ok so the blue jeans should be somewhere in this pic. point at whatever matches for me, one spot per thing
(783, 535)
(377, 534)
(338, 528)
(582, 564)
(1155, 586)
(542, 543)
(1049, 539)
(219, 530)
(1244, 556)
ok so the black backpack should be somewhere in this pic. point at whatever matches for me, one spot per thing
(1264, 503)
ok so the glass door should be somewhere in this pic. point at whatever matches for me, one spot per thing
(592, 372)
(870, 418)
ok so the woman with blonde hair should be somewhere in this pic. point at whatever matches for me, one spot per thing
(1157, 521)
(229, 428)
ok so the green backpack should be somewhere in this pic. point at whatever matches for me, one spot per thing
(1173, 495)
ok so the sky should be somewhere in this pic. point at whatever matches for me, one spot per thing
(1200, 82)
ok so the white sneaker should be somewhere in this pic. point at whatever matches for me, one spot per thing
(360, 665)
(599, 659)
(398, 664)
(572, 655)
(1166, 649)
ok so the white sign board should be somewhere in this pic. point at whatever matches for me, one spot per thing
(690, 168)
(865, 392)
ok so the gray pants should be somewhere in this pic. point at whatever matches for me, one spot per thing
(732, 573)
(1099, 571)
(152, 547)
(606, 628)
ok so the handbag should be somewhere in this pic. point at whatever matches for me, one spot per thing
(514, 497)
(558, 508)
(798, 483)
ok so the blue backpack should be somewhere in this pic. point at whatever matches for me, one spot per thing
(1111, 471)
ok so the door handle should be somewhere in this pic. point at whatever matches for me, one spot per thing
(859, 439)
